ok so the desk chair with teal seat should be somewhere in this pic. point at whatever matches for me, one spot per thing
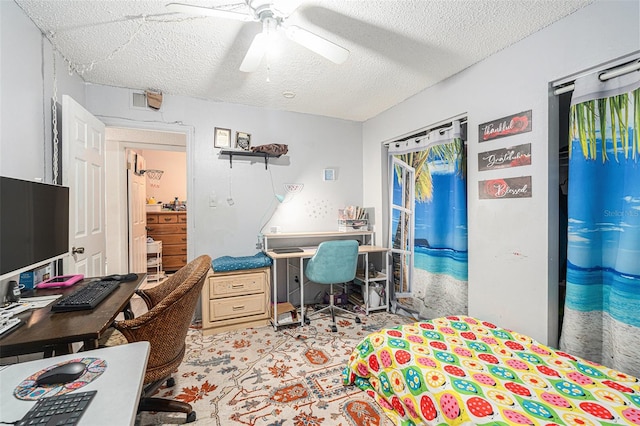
(335, 262)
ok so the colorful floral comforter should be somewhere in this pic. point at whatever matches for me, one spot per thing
(463, 371)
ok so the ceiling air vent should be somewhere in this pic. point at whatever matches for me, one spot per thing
(138, 100)
(147, 99)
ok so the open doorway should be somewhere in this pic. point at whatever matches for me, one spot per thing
(149, 143)
(166, 212)
(564, 103)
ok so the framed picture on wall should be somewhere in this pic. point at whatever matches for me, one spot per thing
(222, 138)
(243, 141)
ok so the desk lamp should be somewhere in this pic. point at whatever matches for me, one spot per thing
(290, 188)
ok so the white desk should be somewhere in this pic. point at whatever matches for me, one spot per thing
(308, 252)
(296, 239)
(119, 387)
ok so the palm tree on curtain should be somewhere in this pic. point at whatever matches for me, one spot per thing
(450, 153)
(602, 276)
(587, 115)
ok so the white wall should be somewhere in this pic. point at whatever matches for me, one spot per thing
(173, 182)
(512, 243)
(314, 143)
(26, 81)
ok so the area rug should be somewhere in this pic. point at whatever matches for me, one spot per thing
(259, 376)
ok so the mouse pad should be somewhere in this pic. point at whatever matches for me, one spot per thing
(30, 391)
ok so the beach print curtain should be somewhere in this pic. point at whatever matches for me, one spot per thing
(602, 307)
(440, 230)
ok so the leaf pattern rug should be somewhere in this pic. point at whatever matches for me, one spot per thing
(259, 376)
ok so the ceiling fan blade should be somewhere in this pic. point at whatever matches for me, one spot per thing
(207, 11)
(255, 53)
(315, 43)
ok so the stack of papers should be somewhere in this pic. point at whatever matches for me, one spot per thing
(38, 302)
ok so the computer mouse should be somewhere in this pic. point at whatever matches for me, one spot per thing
(61, 374)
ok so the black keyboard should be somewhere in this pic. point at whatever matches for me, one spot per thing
(65, 409)
(87, 297)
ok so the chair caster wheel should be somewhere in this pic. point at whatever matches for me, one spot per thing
(334, 328)
(358, 320)
(307, 321)
(171, 382)
(191, 417)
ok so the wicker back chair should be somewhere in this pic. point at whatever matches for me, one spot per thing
(171, 308)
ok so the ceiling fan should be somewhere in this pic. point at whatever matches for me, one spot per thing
(272, 20)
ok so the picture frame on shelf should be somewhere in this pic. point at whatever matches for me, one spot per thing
(222, 138)
(243, 141)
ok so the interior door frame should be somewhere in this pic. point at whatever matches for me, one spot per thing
(117, 221)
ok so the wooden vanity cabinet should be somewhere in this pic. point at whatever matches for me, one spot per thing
(171, 228)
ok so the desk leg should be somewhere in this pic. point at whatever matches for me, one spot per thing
(366, 284)
(301, 277)
(90, 344)
(274, 302)
(59, 349)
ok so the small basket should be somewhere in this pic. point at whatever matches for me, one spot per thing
(154, 247)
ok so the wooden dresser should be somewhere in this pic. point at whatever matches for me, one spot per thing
(236, 299)
(170, 228)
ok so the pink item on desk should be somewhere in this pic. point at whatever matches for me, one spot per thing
(61, 281)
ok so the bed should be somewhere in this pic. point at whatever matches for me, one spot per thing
(460, 370)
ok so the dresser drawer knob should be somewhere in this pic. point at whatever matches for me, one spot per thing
(238, 307)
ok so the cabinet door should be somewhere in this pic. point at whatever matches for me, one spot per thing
(174, 250)
(173, 239)
(167, 218)
(235, 307)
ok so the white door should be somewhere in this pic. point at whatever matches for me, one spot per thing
(136, 199)
(83, 171)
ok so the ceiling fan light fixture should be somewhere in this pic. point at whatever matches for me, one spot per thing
(272, 19)
(262, 44)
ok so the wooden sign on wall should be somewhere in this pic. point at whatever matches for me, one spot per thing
(513, 156)
(505, 126)
(517, 187)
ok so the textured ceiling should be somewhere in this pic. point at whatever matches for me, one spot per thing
(397, 48)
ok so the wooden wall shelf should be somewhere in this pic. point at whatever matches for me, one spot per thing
(232, 152)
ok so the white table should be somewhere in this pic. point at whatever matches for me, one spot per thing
(119, 387)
